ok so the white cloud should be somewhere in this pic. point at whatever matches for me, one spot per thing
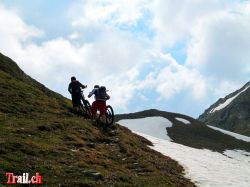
(101, 51)
(114, 52)
(224, 88)
(14, 32)
(74, 36)
(174, 78)
(173, 20)
(104, 62)
(109, 60)
(121, 91)
(94, 12)
(220, 45)
(216, 34)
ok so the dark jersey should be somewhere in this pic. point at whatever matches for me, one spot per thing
(75, 90)
(75, 87)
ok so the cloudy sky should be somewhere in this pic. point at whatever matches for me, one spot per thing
(173, 55)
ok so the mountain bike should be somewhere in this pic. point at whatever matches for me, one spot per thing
(85, 106)
(109, 117)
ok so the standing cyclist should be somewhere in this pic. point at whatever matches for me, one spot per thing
(100, 102)
(75, 91)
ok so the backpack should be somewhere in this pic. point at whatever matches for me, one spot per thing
(101, 93)
(76, 87)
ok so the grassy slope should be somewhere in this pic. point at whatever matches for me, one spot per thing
(196, 135)
(38, 133)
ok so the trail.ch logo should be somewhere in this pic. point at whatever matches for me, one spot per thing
(24, 178)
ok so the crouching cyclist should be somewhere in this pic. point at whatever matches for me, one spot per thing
(100, 102)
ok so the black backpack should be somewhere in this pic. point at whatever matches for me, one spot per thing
(101, 93)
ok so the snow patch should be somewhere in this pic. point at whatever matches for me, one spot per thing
(153, 126)
(227, 102)
(204, 167)
(183, 120)
(239, 155)
(235, 135)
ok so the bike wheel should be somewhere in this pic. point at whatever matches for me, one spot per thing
(109, 115)
(82, 110)
(87, 108)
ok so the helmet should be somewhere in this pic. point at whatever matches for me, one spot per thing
(73, 78)
(103, 87)
(96, 86)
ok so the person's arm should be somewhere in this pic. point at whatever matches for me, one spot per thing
(91, 93)
(107, 97)
(82, 86)
(70, 89)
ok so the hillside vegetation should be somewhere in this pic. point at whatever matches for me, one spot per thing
(39, 133)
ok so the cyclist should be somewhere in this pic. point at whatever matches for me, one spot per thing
(75, 91)
(100, 102)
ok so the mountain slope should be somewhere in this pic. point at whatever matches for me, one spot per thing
(195, 134)
(210, 157)
(39, 133)
(231, 113)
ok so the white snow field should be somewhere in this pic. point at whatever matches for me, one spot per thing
(204, 167)
(154, 126)
(183, 120)
(227, 102)
(238, 136)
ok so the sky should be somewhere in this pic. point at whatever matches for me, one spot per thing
(173, 55)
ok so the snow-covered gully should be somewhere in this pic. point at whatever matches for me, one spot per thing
(227, 102)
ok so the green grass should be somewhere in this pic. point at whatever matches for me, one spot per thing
(38, 133)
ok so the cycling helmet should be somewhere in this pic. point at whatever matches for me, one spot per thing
(103, 87)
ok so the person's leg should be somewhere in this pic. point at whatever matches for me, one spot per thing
(74, 103)
(94, 109)
(78, 104)
(103, 109)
